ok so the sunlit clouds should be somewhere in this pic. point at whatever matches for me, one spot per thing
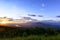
(8, 21)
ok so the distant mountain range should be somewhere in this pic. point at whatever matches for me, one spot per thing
(44, 24)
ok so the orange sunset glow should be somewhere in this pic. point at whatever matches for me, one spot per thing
(6, 21)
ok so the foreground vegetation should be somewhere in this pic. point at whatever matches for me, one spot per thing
(34, 37)
(37, 33)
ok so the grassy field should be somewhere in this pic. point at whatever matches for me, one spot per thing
(34, 37)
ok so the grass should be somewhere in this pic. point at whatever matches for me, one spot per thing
(34, 37)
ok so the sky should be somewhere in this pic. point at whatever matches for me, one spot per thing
(47, 9)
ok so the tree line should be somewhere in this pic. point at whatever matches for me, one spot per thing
(19, 31)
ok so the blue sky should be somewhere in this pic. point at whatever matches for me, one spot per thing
(49, 9)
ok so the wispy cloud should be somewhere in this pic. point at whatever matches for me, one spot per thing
(40, 16)
(32, 15)
(29, 18)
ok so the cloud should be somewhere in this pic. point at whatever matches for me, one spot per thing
(58, 16)
(35, 15)
(40, 16)
(29, 18)
(32, 15)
